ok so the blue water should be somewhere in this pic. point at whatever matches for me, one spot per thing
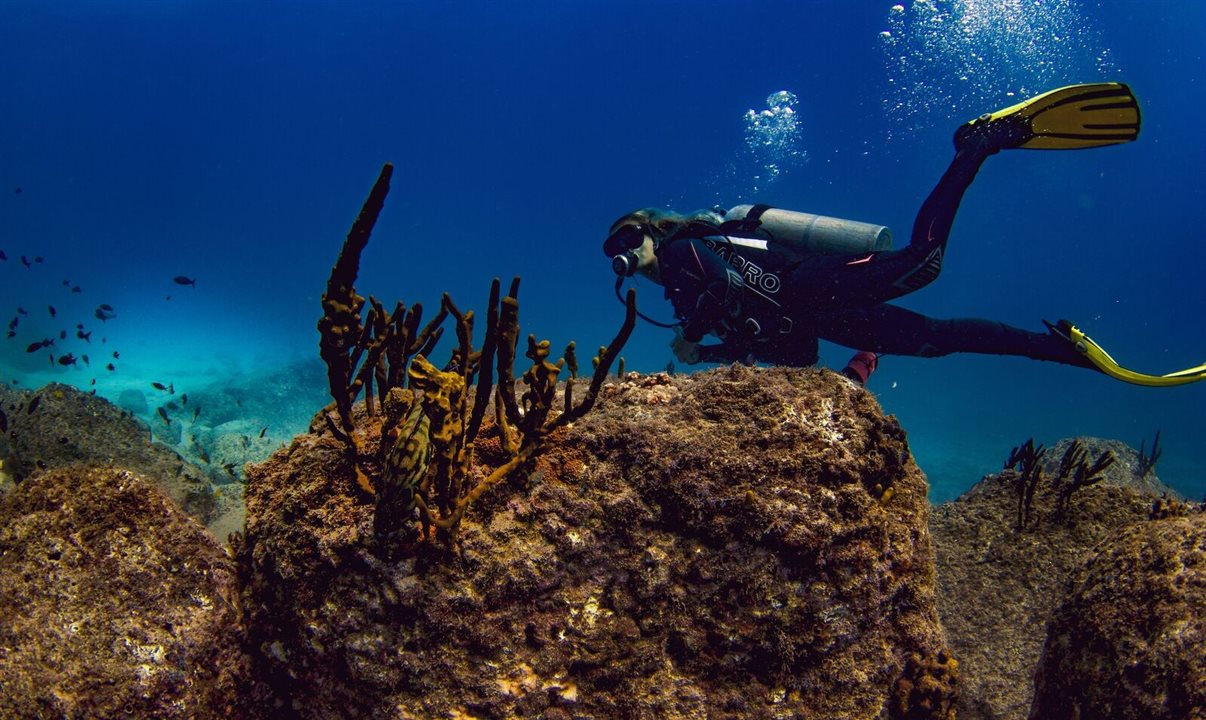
(234, 142)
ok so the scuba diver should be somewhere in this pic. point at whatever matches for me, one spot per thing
(770, 282)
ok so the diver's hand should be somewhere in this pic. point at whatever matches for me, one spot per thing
(685, 350)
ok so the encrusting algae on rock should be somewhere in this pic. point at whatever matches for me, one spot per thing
(700, 546)
(113, 603)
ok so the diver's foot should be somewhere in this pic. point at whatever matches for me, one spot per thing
(1062, 348)
(988, 136)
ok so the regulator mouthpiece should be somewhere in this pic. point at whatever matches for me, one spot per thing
(625, 264)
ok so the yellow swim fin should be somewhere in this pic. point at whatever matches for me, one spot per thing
(1067, 118)
(1102, 360)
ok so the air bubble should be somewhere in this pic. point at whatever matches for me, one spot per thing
(772, 136)
(967, 54)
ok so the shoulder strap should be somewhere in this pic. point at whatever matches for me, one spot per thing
(748, 225)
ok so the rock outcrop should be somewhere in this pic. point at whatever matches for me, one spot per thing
(739, 543)
(1129, 640)
(113, 603)
(999, 587)
(58, 425)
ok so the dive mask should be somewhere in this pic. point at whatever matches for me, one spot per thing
(621, 244)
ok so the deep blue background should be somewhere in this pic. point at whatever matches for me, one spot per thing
(234, 143)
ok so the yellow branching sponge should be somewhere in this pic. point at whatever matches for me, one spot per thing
(423, 461)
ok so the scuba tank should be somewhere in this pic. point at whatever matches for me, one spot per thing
(800, 234)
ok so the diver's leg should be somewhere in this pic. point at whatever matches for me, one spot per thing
(830, 280)
(895, 331)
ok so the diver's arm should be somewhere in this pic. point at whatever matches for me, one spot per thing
(693, 353)
(684, 350)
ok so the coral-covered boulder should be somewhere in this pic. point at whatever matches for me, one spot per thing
(998, 586)
(1129, 640)
(738, 543)
(113, 603)
(58, 425)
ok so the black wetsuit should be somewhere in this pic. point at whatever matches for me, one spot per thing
(768, 307)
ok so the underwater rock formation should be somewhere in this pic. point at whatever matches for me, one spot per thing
(1127, 470)
(1129, 640)
(738, 543)
(998, 587)
(113, 602)
(59, 425)
(134, 401)
(241, 418)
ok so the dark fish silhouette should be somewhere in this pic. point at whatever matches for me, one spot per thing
(196, 412)
(116, 356)
(68, 359)
(18, 190)
(37, 258)
(85, 336)
(62, 334)
(182, 280)
(22, 311)
(66, 283)
(34, 347)
(25, 262)
(159, 386)
(184, 398)
(3, 256)
(172, 405)
(53, 312)
(12, 324)
(163, 414)
(33, 404)
(263, 430)
(105, 312)
(76, 289)
(85, 359)
(110, 367)
(3, 422)
(106, 307)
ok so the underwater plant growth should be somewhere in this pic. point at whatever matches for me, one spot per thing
(425, 458)
(1073, 474)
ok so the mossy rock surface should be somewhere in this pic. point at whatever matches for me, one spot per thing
(740, 543)
(1129, 640)
(113, 603)
(999, 587)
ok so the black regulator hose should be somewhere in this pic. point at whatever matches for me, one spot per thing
(641, 315)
